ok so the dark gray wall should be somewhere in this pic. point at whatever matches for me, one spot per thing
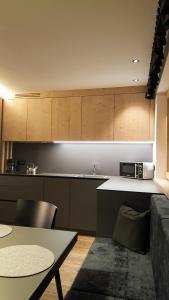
(79, 158)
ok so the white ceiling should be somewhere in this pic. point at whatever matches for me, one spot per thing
(73, 44)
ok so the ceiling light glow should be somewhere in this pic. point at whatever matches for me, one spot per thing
(6, 93)
(135, 80)
(135, 60)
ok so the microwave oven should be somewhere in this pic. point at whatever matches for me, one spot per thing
(138, 170)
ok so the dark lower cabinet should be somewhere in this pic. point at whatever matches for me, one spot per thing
(7, 211)
(21, 187)
(56, 190)
(17, 187)
(75, 198)
(83, 202)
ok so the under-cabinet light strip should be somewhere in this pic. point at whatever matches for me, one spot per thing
(103, 142)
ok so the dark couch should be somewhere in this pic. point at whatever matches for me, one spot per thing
(112, 272)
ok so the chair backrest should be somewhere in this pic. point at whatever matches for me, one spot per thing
(34, 213)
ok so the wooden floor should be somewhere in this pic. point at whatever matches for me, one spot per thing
(70, 267)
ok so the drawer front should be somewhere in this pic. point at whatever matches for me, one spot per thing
(13, 180)
(20, 192)
(21, 187)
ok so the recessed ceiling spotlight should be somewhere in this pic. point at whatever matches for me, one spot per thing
(135, 80)
(135, 60)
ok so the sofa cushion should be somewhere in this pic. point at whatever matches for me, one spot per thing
(115, 271)
(78, 295)
(132, 228)
(160, 244)
(160, 206)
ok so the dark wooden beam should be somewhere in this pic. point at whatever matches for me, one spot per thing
(159, 49)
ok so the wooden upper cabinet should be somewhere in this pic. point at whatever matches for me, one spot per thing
(152, 120)
(132, 118)
(14, 120)
(167, 131)
(66, 118)
(98, 118)
(121, 117)
(39, 120)
(1, 104)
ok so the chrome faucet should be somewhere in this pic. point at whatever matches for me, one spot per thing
(94, 170)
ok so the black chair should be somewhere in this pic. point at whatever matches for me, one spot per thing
(34, 213)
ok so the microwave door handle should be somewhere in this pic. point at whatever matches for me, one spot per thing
(136, 171)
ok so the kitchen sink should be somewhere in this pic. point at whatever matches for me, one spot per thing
(91, 176)
(94, 176)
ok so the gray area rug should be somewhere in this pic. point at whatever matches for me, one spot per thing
(115, 271)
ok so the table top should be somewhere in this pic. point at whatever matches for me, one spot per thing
(31, 287)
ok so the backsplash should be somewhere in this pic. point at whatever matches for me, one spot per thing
(80, 157)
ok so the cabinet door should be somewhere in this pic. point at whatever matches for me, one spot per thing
(132, 118)
(21, 187)
(17, 187)
(66, 118)
(1, 107)
(14, 120)
(83, 198)
(7, 211)
(56, 190)
(98, 118)
(39, 120)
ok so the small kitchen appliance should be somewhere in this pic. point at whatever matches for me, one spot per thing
(11, 166)
(137, 170)
(31, 169)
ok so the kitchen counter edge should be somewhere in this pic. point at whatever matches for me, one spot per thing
(112, 183)
(59, 175)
